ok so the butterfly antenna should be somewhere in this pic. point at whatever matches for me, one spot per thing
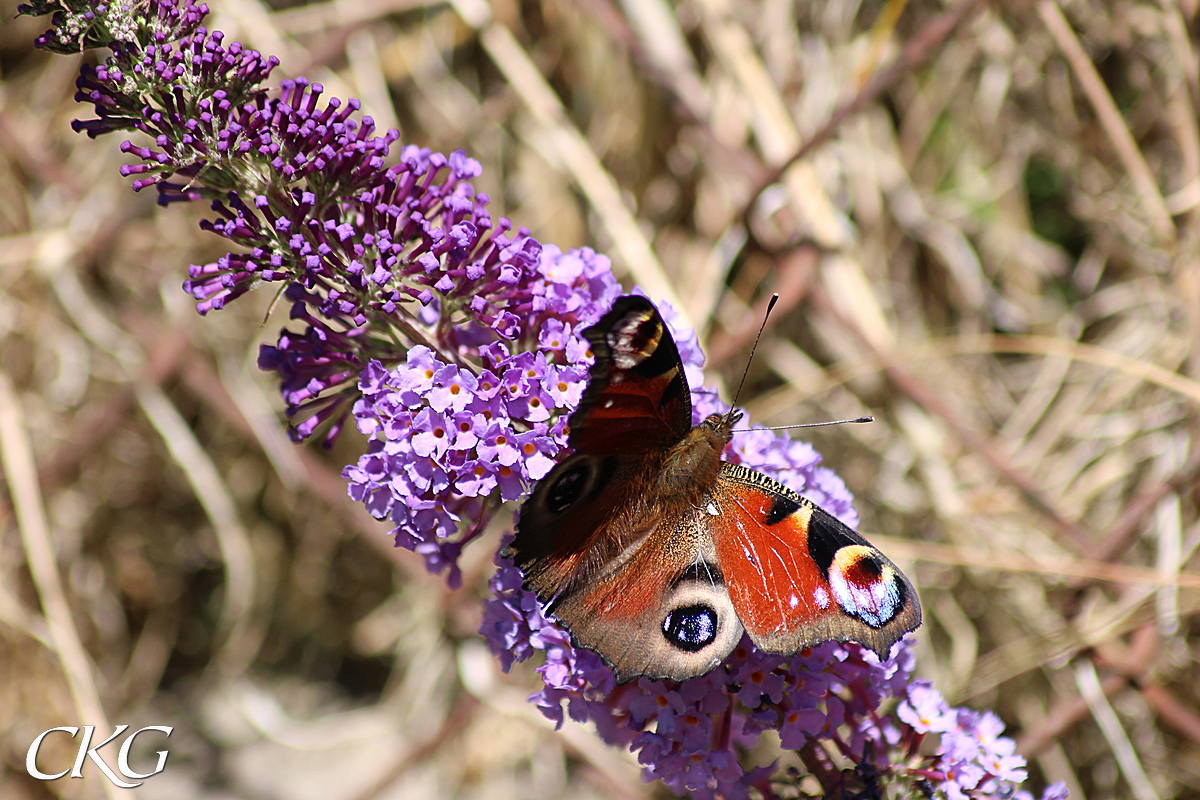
(811, 424)
(746, 371)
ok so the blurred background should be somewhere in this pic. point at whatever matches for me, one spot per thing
(989, 241)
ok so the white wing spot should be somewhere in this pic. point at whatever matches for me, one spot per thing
(712, 509)
(821, 596)
(608, 403)
(793, 601)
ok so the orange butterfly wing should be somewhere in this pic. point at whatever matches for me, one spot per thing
(797, 576)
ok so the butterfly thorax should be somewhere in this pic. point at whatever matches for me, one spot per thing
(691, 466)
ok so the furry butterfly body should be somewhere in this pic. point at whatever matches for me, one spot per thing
(657, 554)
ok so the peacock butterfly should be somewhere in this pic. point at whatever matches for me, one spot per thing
(656, 554)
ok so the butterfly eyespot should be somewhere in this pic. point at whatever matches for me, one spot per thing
(864, 586)
(691, 628)
(634, 339)
(567, 488)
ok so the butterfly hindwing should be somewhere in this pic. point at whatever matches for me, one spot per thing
(797, 576)
(660, 609)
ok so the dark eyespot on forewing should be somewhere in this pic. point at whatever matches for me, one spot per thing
(866, 568)
(634, 337)
(866, 586)
(797, 576)
(640, 343)
(864, 583)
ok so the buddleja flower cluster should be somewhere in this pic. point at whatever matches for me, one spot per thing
(447, 442)
(454, 345)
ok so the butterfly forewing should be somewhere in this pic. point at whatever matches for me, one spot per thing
(637, 399)
(797, 576)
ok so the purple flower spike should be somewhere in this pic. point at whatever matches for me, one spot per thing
(447, 440)
(86, 25)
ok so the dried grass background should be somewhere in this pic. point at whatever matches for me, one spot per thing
(994, 251)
